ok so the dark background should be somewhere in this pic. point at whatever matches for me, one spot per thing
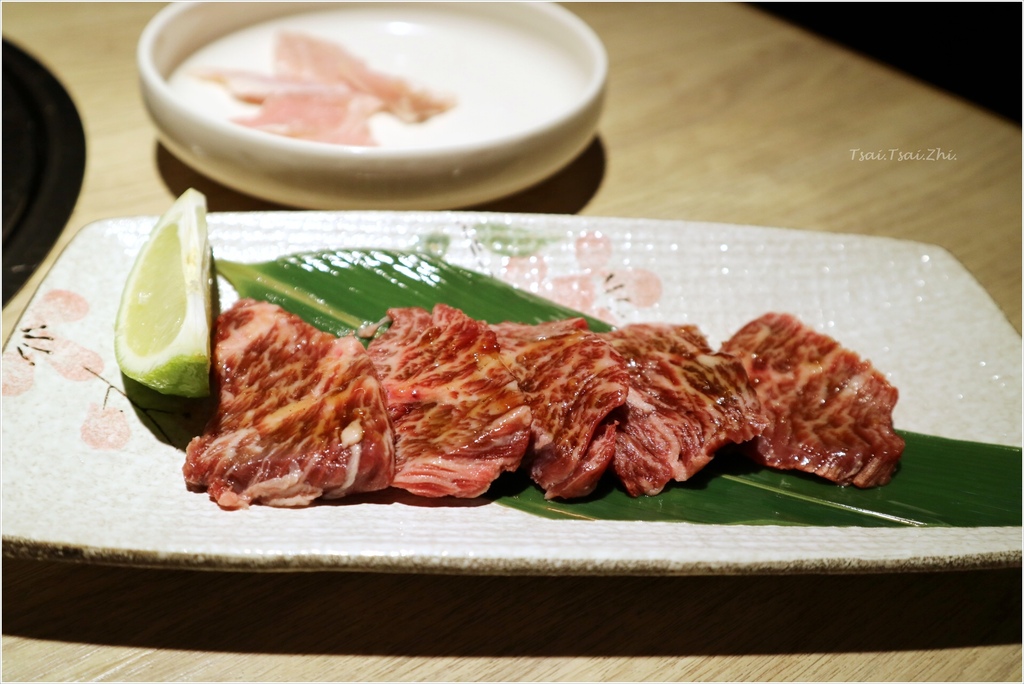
(972, 50)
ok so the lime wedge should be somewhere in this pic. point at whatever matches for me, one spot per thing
(162, 332)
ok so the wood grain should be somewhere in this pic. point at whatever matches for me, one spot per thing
(714, 113)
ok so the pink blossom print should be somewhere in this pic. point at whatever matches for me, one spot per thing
(598, 289)
(526, 273)
(638, 286)
(593, 251)
(575, 291)
(105, 428)
(17, 374)
(38, 341)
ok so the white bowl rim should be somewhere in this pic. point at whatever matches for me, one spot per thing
(158, 87)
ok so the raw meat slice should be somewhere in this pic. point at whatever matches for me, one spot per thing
(830, 411)
(254, 88)
(572, 380)
(307, 58)
(459, 416)
(685, 402)
(301, 414)
(325, 116)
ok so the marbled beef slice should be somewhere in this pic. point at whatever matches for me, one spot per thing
(459, 416)
(572, 380)
(685, 402)
(300, 414)
(830, 411)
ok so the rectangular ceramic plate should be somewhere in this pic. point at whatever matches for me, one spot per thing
(86, 477)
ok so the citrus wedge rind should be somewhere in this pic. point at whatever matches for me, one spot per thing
(162, 331)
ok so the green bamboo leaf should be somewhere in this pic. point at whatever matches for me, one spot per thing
(339, 291)
(940, 482)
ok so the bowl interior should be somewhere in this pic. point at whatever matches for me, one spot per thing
(513, 68)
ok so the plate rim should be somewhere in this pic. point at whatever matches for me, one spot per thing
(20, 548)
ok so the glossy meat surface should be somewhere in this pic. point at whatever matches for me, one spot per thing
(319, 91)
(830, 411)
(324, 116)
(685, 402)
(308, 58)
(459, 416)
(300, 414)
(572, 380)
(255, 88)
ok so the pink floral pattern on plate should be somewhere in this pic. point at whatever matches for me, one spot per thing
(37, 340)
(598, 289)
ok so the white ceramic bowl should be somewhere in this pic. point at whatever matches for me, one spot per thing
(528, 80)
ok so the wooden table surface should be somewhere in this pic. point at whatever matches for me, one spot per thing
(715, 113)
